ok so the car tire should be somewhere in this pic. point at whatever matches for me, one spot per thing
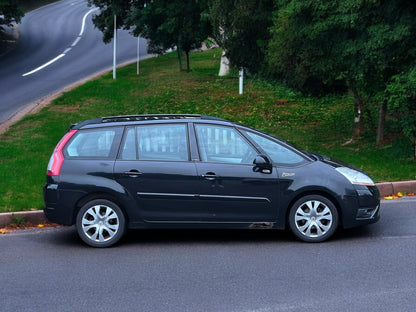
(100, 223)
(313, 218)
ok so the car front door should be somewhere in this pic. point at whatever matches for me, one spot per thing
(231, 189)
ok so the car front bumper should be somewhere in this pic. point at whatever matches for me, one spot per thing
(362, 208)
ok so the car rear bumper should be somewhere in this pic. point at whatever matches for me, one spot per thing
(59, 208)
(52, 214)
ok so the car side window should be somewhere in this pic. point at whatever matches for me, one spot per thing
(278, 153)
(95, 143)
(224, 145)
(156, 142)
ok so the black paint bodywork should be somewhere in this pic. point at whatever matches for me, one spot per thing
(196, 194)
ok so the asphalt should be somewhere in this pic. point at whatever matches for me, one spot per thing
(37, 217)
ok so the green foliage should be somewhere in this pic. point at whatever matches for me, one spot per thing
(401, 97)
(241, 28)
(9, 13)
(105, 20)
(359, 43)
(18, 221)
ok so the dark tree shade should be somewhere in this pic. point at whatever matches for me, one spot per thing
(362, 44)
(241, 28)
(9, 13)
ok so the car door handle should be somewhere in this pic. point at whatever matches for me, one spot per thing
(133, 173)
(211, 176)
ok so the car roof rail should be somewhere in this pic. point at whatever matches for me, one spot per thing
(127, 118)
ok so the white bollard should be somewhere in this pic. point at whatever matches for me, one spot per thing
(241, 80)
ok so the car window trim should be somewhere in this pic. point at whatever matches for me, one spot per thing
(193, 142)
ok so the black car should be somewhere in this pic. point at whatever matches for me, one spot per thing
(192, 171)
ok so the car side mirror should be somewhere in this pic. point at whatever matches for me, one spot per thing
(262, 164)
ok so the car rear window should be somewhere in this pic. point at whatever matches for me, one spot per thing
(92, 143)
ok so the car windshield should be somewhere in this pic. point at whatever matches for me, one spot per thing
(278, 153)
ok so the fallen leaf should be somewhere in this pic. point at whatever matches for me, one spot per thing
(391, 197)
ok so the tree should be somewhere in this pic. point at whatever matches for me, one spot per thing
(105, 20)
(183, 25)
(400, 94)
(241, 29)
(361, 44)
(9, 13)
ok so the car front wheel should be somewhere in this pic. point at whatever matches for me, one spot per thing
(313, 218)
(100, 223)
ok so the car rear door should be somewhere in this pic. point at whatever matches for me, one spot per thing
(154, 167)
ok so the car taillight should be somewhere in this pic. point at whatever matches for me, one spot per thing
(57, 158)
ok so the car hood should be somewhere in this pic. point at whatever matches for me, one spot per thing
(335, 162)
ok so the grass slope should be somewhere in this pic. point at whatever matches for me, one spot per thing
(315, 125)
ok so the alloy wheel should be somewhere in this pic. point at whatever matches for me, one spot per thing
(100, 223)
(313, 218)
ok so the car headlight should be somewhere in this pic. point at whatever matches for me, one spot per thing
(354, 176)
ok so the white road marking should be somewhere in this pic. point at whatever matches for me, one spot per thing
(44, 65)
(67, 49)
(76, 41)
(83, 21)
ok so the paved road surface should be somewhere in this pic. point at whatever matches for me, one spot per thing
(366, 269)
(56, 35)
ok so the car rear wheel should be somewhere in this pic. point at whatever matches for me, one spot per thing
(313, 218)
(100, 223)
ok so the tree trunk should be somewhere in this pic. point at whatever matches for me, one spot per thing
(224, 65)
(179, 51)
(381, 122)
(188, 67)
(414, 149)
(358, 108)
(414, 140)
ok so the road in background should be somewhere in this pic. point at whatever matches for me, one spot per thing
(371, 268)
(52, 35)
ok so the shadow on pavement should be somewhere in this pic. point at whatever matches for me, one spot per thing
(67, 236)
